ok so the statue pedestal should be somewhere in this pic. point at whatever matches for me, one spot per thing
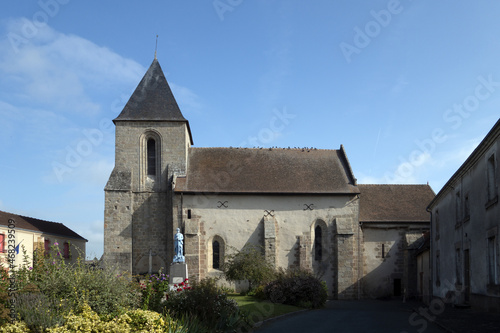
(178, 273)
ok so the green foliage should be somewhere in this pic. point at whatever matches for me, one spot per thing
(297, 287)
(205, 303)
(107, 292)
(154, 289)
(258, 292)
(50, 289)
(4, 295)
(17, 327)
(131, 321)
(248, 264)
(38, 311)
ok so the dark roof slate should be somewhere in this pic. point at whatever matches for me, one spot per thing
(30, 223)
(394, 203)
(266, 170)
(152, 100)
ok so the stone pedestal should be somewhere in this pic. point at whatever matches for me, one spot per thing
(178, 273)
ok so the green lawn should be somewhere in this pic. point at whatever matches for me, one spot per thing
(258, 310)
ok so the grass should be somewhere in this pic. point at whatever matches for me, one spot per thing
(258, 310)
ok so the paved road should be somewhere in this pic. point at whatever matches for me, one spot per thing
(354, 316)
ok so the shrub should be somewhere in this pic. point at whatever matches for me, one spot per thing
(248, 264)
(106, 291)
(131, 321)
(297, 287)
(38, 311)
(154, 289)
(259, 292)
(4, 295)
(17, 327)
(207, 304)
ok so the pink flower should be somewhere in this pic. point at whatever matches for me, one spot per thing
(56, 243)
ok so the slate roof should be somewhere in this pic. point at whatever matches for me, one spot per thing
(37, 225)
(394, 203)
(266, 170)
(152, 100)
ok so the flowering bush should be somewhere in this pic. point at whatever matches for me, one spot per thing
(4, 295)
(131, 321)
(50, 289)
(17, 327)
(154, 289)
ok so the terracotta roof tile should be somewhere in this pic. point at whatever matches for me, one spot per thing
(393, 203)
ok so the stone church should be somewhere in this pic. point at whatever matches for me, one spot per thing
(303, 206)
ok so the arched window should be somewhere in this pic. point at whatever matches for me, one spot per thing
(151, 157)
(215, 254)
(318, 247)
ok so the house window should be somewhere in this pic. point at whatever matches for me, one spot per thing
(466, 207)
(492, 261)
(66, 250)
(436, 220)
(215, 255)
(189, 213)
(151, 157)
(492, 189)
(2, 243)
(318, 246)
(383, 250)
(47, 246)
(458, 208)
(458, 265)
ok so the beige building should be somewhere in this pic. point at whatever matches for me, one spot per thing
(19, 234)
(301, 205)
(464, 234)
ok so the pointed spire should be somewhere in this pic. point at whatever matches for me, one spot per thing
(152, 100)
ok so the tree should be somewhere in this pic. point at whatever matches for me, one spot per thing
(248, 264)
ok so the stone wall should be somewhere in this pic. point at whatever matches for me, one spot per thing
(138, 213)
(283, 225)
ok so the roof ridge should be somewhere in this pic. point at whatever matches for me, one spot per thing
(29, 217)
(269, 148)
(395, 184)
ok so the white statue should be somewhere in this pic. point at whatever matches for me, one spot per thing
(178, 246)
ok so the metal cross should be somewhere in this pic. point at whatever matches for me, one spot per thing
(269, 212)
(309, 207)
(222, 204)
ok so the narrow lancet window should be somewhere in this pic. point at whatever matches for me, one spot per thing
(216, 255)
(318, 247)
(151, 150)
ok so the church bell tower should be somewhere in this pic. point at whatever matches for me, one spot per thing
(152, 141)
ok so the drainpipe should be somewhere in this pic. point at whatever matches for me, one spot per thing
(431, 256)
(359, 259)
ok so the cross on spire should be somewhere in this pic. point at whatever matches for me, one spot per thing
(156, 47)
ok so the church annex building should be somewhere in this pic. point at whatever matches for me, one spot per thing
(303, 206)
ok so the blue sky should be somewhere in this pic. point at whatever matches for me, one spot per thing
(408, 87)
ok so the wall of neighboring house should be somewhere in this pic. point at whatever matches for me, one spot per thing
(423, 276)
(465, 239)
(28, 241)
(387, 271)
